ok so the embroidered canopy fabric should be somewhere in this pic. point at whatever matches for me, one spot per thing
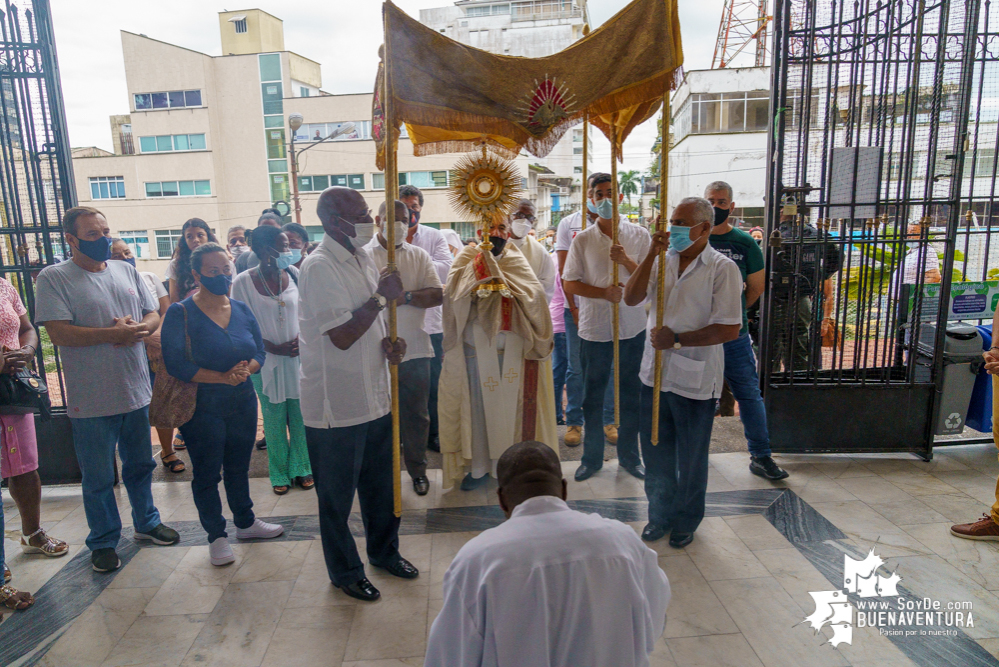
(452, 96)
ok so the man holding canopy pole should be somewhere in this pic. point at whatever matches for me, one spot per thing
(702, 297)
(588, 276)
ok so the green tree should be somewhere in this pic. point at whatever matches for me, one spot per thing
(627, 184)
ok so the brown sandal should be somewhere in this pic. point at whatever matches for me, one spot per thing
(11, 598)
(176, 465)
(50, 546)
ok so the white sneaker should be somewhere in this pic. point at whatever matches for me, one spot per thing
(260, 530)
(220, 553)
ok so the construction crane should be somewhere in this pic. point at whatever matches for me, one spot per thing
(743, 24)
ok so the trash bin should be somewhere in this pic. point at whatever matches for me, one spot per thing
(980, 411)
(962, 358)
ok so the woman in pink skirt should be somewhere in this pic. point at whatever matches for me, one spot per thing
(19, 457)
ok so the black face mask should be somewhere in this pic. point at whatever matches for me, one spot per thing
(498, 244)
(721, 215)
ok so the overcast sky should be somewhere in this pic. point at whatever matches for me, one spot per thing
(343, 36)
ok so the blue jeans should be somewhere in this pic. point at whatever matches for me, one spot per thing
(598, 362)
(560, 361)
(574, 379)
(94, 439)
(220, 439)
(743, 380)
(344, 460)
(676, 469)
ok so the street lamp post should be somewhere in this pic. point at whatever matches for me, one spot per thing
(295, 121)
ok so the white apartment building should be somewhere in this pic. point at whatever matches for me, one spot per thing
(720, 133)
(208, 137)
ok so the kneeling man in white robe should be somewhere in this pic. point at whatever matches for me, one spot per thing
(550, 587)
(493, 389)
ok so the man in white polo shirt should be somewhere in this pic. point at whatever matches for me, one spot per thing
(588, 276)
(702, 311)
(434, 242)
(422, 290)
(345, 391)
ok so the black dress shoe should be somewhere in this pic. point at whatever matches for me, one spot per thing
(637, 471)
(262, 443)
(421, 485)
(401, 568)
(584, 472)
(654, 531)
(362, 590)
(434, 444)
(560, 421)
(680, 540)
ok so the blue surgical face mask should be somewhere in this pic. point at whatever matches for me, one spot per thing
(99, 250)
(604, 208)
(218, 285)
(296, 255)
(590, 207)
(679, 238)
(286, 259)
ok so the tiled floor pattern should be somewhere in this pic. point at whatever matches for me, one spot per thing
(740, 591)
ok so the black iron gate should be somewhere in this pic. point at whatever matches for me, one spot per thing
(881, 202)
(36, 169)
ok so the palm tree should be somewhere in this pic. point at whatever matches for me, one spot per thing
(628, 184)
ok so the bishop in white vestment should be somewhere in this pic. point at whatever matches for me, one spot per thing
(493, 390)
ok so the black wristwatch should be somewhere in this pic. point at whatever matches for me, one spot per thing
(409, 297)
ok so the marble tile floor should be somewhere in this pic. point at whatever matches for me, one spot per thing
(741, 590)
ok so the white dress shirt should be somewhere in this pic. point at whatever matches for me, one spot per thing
(417, 272)
(540, 261)
(709, 292)
(279, 376)
(589, 262)
(551, 587)
(435, 243)
(339, 387)
(568, 228)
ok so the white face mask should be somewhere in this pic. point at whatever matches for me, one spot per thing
(521, 227)
(365, 231)
(401, 231)
(237, 250)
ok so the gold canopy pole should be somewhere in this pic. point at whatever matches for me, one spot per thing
(586, 136)
(586, 154)
(614, 269)
(657, 377)
(388, 225)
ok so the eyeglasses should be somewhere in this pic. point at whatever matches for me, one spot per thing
(362, 219)
(522, 216)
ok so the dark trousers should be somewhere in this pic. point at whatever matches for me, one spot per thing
(436, 363)
(676, 470)
(560, 362)
(344, 460)
(597, 360)
(414, 417)
(219, 441)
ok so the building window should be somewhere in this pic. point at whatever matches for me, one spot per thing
(577, 170)
(107, 187)
(166, 241)
(270, 66)
(424, 179)
(273, 97)
(139, 242)
(319, 131)
(488, 10)
(320, 183)
(577, 150)
(275, 144)
(708, 113)
(172, 142)
(303, 91)
(179, 189)
(240, 25)
(174, 99)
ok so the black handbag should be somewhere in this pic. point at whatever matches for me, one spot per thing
(24, 392)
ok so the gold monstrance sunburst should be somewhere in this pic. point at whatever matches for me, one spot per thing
(485, 188)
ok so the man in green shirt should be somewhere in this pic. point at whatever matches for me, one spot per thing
(740, 361)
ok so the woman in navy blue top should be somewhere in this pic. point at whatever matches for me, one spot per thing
(226, 348)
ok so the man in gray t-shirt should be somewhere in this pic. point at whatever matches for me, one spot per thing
(97, 312)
